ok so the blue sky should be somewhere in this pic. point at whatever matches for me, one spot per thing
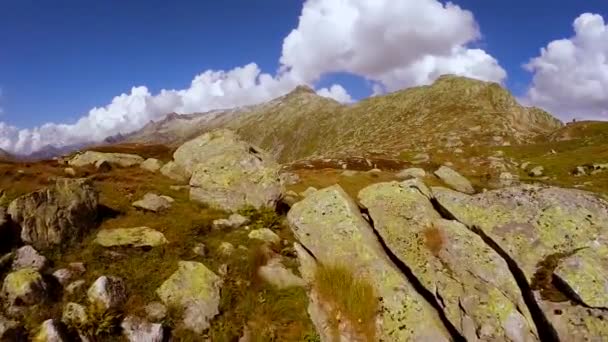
(59, 59)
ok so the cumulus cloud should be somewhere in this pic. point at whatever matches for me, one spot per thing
(392, 44)
(336, 92)
(570, 77)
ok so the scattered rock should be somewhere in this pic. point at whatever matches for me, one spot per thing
(152, 165)
(69, 171)
(507, 179)
(77, 267)
(232, 222)
(75, 286)
(579, 171)
(93, 158)
(154, 203)
(226, 248)
(179, 187)
(454, 180)
(133, 237)
(175, 172)
(56, 215)
(108, 292)
(289, 178)
(264, 234)
(156, 311)
(136, 329)
(200, 249)
(421, 158)
(63, 276)
(28, 257)
(275, 273)
(290, 198)
(228, 173)
(458, 150)
(536, 171)
(24, 287)
(309, 191)
(524, 165)
(195, 290)
(375, 170)
(74, 314)
(51, 331)
(411, 173)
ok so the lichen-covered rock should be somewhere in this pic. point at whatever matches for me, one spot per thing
(74, 314)
(226, 248)
(133, 237)
(24, 287)
(228, 173)
(471, 281)
(414, 172)
(264, 234)
(536, 171)
(328, 223)
(136, 329)
(454, 180)
(540, 228)
(28, 257)
(51, 331)
(61, 213)
(233, 221)
(175, 172)
(152, 165)
(195, 290)
(108, 292)
(154, 203)
(93, 158)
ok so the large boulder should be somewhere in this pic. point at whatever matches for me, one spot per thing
(329, 224)
(131, 237)
(23, 288)
(228, 173)
(59, 214)
(549, 233)
(96, 158)
(454, 180)
(195, 290)
(472, 282)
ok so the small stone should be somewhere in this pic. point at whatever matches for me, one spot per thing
(223, 270)
(51, 331)
(200, 249)
(136, 329)
(152, 165)
(524, 165)
(24, 287)
(28, 257)
(264, 234)
(289, 178)
(74, 314)
(536, 171)
(63, 276)
(579, 171)
(156, 311)
(109, 292)
(350, 173)
(375, 170)
(179, 187)
(70, 171)
(154, 203)
(234, 221)
(275, 273)
(75, 286)
(77, 267)
(454, 180)
(414, 172)
(226, 248)
(421, 158)
(458, 150)
(311, 190)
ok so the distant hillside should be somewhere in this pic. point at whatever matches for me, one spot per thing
(452, 112)
(589, 130)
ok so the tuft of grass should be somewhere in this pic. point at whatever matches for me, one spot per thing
(101, 323)
(351, 297)
(542, 279)
(262, 218)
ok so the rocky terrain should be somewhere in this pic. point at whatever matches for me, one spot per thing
(218, 229)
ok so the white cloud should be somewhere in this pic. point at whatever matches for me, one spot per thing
(571, 75)
(336, 92)
(393, 44)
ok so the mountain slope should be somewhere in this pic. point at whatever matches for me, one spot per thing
(452, 112)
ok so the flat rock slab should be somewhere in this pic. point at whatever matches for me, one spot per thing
(93, 158)
(154, 203)
(329, 224)
(132, 237)
(541, 225)
(454, 180)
